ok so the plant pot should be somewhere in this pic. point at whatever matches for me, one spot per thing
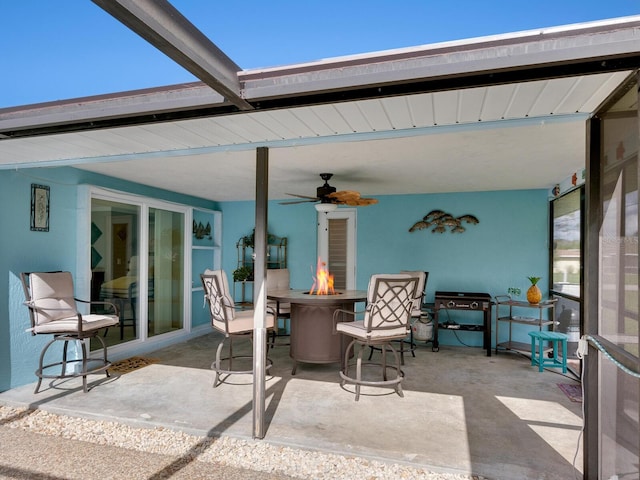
(242, 274)
(534, 295)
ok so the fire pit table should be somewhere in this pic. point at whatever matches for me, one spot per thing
(313, 339)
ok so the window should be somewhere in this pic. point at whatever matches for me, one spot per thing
(566, 263)
(566, 244)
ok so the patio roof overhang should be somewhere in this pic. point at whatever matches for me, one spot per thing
(384, 123)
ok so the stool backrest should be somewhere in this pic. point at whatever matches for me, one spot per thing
(416, 310)
(216, 291)
(49, 296)
(390, 300)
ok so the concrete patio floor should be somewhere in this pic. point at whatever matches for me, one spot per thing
(462, 411)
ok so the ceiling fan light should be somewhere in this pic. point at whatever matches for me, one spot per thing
(326, 207)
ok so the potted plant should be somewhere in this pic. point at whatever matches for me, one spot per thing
(534, 295)
(514, 291)
(242, 274)
(249, 240)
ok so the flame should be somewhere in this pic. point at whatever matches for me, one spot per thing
(323, 281)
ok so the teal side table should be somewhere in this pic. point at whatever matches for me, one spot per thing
(558, 341)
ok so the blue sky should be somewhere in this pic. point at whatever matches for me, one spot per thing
(53, 50)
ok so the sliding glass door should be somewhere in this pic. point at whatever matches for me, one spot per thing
(115, 253)
(138, 264)
(166, 271)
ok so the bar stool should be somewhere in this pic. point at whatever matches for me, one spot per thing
(537, 354)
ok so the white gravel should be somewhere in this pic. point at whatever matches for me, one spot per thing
(255, 455)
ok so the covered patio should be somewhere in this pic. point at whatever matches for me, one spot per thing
(462, 413)
(502, 113)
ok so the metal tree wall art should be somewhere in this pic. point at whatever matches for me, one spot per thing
(200, 231)
(438, 221)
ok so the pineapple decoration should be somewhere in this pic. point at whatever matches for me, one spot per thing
(534, 295)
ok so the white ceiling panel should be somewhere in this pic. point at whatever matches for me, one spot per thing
(55, 150)
(72, 146)
(446, 107)
(398, 113)
(331, 117)
(223, 131)
(280, 125)
(430, 142)
(152, 140)
(204, 132)
(609, 83)
(265, 129)
(310, 118)
(376, 115)
(552, 97)
(248, 129)
(470, 104)
(115, 141)
(353, 115)
(523, 99)
(297, 127)
(462, 159)
(497, 102)
(422, 109)
(180, 134)
(16, 151)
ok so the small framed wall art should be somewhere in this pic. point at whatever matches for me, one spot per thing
(39, 208)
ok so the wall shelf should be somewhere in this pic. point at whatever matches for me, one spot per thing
(206, 253)
(276, 258)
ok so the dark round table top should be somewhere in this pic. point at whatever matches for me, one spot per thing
(303, 297)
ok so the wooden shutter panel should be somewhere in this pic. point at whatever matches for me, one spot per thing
(337, 260)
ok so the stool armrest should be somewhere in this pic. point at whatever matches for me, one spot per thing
(339, 311)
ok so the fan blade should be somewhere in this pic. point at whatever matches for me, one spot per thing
(327, 194)
(293, 202)
(345, 195)
(363, 202)
(352, 198)
(315, 199)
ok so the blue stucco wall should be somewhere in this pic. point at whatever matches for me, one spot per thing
(297, 223)
(509, 244)
(24, 250)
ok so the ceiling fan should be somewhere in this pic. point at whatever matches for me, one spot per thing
(328, 196)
